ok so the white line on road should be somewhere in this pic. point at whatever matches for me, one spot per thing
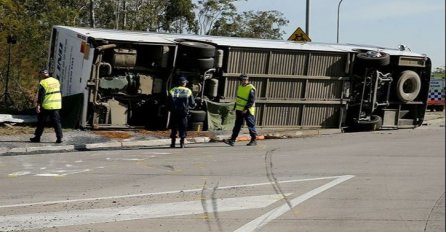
(62, 173)
(124, 159)
(277, 212)
(19, 173)
(162, 193)
(103, 215)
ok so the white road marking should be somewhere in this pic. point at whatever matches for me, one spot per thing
(124, 159)
(277, 212)
(163, 193)
(103, 215)
(62, 172)
(19, 173)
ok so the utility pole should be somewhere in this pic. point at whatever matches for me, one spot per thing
(307, 22)
(337, 28)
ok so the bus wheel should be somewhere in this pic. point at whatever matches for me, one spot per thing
(197, 115)
(196, 49)
(189, 63)
(408, 86)
(205, 63)
(373, 58)
(374, 124)
(377, 122)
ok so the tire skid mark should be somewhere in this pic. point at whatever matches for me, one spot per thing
(437, 203)
(215, 207)
(204, 205)
(272, 179)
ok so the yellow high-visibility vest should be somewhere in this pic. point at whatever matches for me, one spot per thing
(180, 92)
(53, 98)
(242, 98)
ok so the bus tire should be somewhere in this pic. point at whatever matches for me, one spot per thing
(196, 49)
(204, 63)
(374, 124)
(365, 59)
(377, 122)
(408, 86)
(197, 115)
(189, 63)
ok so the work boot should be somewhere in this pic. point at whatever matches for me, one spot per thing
(182, 143)
(253, 142)
(59, 140)
(230, 142)
(35, 140)
(172, 144)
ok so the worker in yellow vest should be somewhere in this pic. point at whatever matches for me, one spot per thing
(49, 102)
(244, 111)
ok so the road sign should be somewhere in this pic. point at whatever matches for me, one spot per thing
(299, 35)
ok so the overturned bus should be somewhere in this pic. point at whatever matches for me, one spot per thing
(114, 78)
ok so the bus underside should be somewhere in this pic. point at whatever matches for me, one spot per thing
(355, 91)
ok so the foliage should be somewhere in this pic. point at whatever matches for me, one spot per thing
(260, 24)
(179, 16)
(439, 72)
(211, 11)
(31, 22)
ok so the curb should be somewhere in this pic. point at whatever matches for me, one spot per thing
(95, 146)
(281, 135)
(158, 142)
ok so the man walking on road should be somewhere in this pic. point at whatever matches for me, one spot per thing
(49, 102)
(244, 111)
(181, 100)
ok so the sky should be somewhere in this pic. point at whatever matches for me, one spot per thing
(418, 24)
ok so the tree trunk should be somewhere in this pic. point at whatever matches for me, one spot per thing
(117, 15)
(124, 20)
(92, 16)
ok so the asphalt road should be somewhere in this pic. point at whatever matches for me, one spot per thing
(374, 181)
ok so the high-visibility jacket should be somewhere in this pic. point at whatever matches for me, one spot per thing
(243, 93)
(53, 98)
(181, 100)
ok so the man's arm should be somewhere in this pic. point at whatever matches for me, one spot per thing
(192, 103)
(251, 99)
(40, 96)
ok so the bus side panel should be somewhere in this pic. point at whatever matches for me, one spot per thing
(294, 88)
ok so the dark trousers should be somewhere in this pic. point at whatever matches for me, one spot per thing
(178, 123)
(250, 122)
(55, 121)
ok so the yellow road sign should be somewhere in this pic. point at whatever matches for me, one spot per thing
(299, 35)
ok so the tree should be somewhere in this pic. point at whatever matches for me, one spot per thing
(211, 11)
(179, 16)
(220, 17)
(30, 21)
(260, 24)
